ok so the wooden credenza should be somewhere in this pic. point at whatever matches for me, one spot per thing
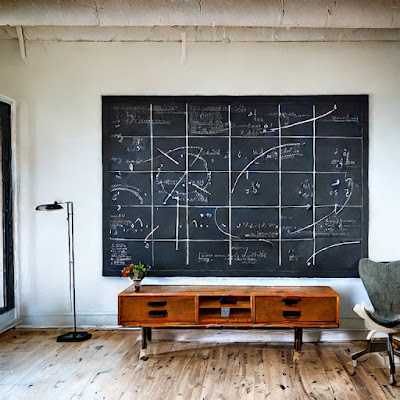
(231, 306)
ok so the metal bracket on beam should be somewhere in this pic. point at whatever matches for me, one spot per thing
(21, 42)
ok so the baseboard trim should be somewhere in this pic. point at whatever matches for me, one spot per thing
(239, 335)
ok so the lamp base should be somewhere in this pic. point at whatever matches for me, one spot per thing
(74, 337)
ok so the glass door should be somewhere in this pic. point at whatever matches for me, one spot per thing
(8, 312)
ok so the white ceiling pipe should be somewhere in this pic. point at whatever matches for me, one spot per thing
(257, 13)
(197, 34)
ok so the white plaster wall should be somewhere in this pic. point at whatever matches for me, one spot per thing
(59, 144)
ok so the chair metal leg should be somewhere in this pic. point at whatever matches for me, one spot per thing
(379, 347)
(375, 346)
(360, 353)
(392, 381)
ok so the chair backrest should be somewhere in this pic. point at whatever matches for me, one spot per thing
(382, 282)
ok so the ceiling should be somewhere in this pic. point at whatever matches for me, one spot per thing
(200, 20)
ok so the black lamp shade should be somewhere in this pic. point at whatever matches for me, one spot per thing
(49, 207)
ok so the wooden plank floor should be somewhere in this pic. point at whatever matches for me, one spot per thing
(34, 366)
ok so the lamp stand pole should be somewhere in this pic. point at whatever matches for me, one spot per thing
(72, 336)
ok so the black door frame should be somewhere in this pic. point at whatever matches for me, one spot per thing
(8, 206)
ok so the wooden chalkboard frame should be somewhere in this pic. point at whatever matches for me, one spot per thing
(180, 269)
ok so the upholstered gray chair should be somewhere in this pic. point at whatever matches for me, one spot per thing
(382, 283)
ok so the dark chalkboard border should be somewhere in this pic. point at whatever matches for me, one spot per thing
(363, 100)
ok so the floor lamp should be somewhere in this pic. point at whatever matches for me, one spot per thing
(70, 336)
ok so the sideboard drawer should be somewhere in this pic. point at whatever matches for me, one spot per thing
(301, 309)
(157, 309)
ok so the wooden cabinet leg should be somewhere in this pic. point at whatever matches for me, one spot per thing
(298, 338)
(144, 337)
(142, 355)
(149, 335)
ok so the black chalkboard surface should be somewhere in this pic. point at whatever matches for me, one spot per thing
(235, 186)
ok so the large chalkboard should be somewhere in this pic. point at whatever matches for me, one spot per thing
(235, 186)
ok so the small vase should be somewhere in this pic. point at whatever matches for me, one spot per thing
(136, 283)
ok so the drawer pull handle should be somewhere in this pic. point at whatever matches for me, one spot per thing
(291, 314)
(290, 301)
(157, 303)
(228, 300)
(158, 313)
